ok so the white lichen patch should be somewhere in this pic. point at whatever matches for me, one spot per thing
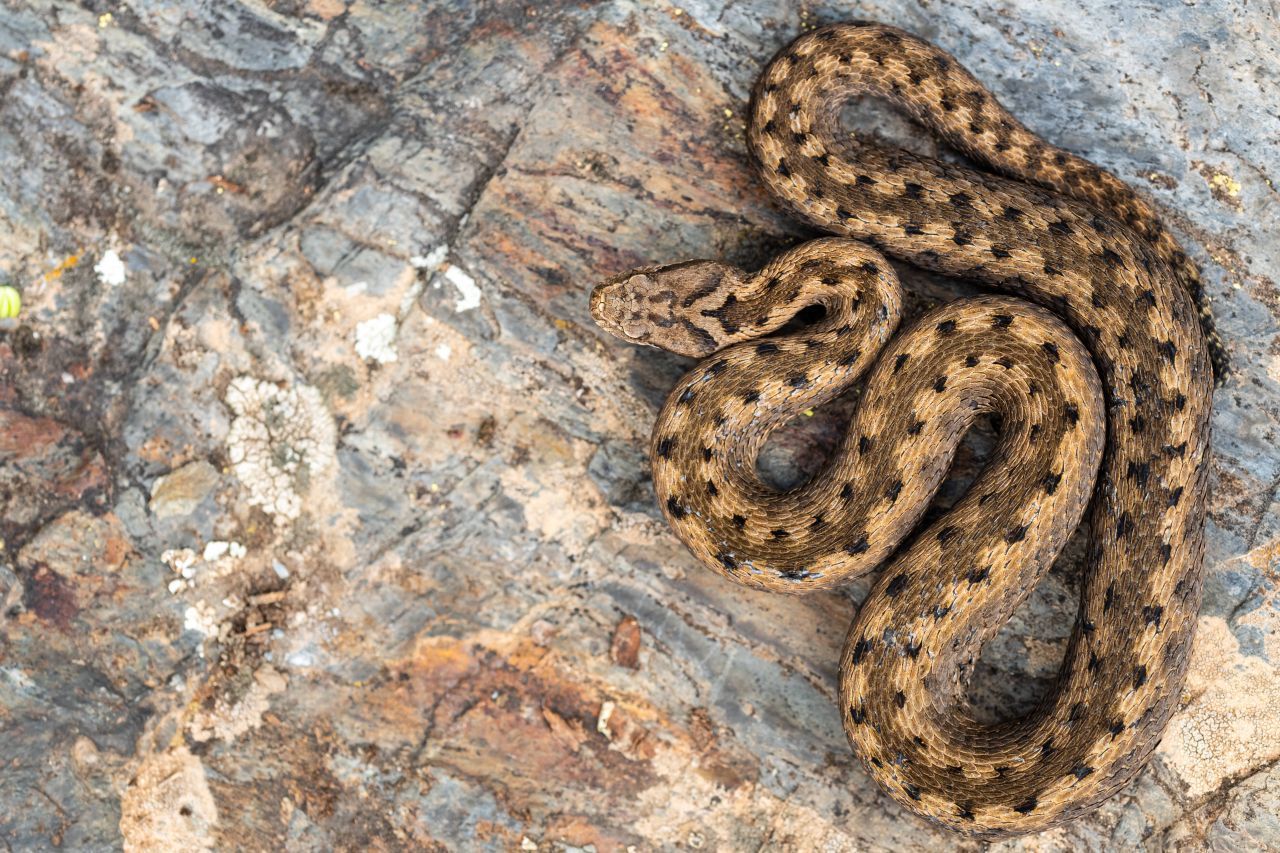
(201, 617)
(468, 290)
(376, 339)
(110, 268)
(280, 439)
(1228, 728)
(431, 260)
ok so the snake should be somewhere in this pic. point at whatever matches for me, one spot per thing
(1093, 350)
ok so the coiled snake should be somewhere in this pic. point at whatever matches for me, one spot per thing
(1097, 367)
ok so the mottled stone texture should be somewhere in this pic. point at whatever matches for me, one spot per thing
(325, 513)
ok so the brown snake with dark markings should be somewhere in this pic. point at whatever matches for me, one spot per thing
(1098, 370)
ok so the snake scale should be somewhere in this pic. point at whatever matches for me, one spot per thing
(1094, 356)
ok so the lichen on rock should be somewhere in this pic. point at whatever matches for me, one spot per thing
(280, 439)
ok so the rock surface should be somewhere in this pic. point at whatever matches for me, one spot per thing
(324, 509)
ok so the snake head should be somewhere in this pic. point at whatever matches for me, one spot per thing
(667, 307)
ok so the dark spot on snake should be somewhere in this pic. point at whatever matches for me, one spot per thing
(711, 488)
(766, 349)
(1001, 770)
(1002, 321)
(857, 716)
(798, 381)
(846, 492)
(1077, 710)
(665, 447)
(1138, 424)
(1017, 534)
(976, 128)
(912, 229)
(911, 790)
(977, 576)
(850, 358)
(899, 361)
(1005, 362)
(1117, 729)
(687, 396)
(860, 650)
(912, 190)
(864, 444)
(870, 267)
(1051, 350)
(1149, 297)
(970, 361)
(718, 367)
(946, 533)
(783, 170)
(947, 104)
(1046, 749)
(779, 533)
(917, 77)
(965, 812)
(900, 699)
(1168, 350)
(727, 560)
(865, 181)
(961, 238)
(751, 397)
(982, 501)
(1081, 770)
(1062, 229)
(1072, 413)
(706, 454)
(1111, 259)
(772, 283)
(946, 327)
(913, 650)
(843, 213)
(1088, 628)
(1140, 471)
(895, 488)
(818, 522)
(1026, 806)
(858, 546)
(1178, 451)
(1050, 269)
(1139, 676)
(1050, 482)
(799, 137)
(915, 428)
(739, 521)
(1152, 614)
(962, 200)
(1060, 159)
(1124, 525)
(999, 252)
(1012, 214)
(940, 611)
(1175, 496)
(1110, 597)
(673, 506)
(896, 586)
(1094, 663)
(823, 160)
(1180, 402)
(769, 126)
(1034, 433)
(877, 762)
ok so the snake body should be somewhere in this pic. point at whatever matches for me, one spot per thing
(1093, 357)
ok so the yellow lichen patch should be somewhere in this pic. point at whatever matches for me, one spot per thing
(1224, 187)
(1227, 729)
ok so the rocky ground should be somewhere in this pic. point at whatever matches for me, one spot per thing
(325, 513)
